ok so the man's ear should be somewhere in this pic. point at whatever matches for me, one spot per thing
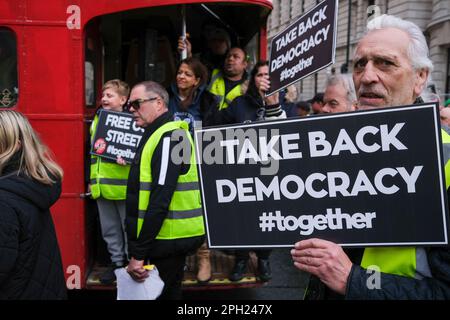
(421, 80)
(18, 145)
(161, 105)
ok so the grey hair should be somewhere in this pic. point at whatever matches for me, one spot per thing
(346, 81)
(418, 52)
(291, 93)
(156, 88)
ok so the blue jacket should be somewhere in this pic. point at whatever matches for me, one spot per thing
(244, 108)
(202, 103)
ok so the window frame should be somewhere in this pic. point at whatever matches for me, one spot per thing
(13, 57)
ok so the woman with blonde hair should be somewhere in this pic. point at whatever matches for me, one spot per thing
(30, 183)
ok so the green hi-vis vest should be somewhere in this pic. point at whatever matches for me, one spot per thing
(108, 179)
(217, 87)
(403, 260)
(185, 218)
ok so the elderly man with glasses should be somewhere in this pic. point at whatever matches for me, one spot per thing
(391, 68)
(164, 215)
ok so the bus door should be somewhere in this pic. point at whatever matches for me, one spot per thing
(93, 79)
(141, 44)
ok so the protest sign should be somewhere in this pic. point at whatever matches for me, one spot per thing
(306, 46)
(371, 178)
(116, 135)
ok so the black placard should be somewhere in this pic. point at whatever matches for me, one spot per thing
(306, 46)
(368, 178)
(116, 135)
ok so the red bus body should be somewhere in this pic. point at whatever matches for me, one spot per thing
(51, 81)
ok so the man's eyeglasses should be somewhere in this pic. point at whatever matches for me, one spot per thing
(136, 104)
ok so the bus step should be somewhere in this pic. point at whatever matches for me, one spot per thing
(93, 280)
(221, 265)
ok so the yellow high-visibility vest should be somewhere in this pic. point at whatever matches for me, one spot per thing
(217, 87)
(107, 178)
(185, 218)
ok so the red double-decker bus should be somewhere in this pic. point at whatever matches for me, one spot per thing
(54, 57)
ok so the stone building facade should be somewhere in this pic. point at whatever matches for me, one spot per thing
(433, 16)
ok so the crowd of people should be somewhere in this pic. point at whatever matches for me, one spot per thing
(150, 210)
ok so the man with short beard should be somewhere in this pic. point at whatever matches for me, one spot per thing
(227, 83)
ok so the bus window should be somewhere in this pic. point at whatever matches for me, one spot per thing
(148, 46)
(9, 90)
(90, 83)
(253, 51)
(89, 74)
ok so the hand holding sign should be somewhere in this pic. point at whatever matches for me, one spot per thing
(324, 259)
(262, 83)
(121, 161)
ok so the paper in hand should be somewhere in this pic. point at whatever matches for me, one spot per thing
(128, 289)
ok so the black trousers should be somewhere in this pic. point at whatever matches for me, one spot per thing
(260, 253)
(171, 271)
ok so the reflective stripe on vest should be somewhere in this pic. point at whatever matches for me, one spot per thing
(185, 218)
(405, 261)
(217, 87)
(446, 155)
(107, 178)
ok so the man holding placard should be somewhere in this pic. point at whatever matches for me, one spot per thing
(391, 68)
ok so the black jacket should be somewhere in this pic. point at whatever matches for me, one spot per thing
(392, 287)
(30, 260)
(146, 246)
(242, 109)
(402, 288)
(201, 104)
(246, 108)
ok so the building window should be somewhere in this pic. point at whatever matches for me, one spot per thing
(9, 89)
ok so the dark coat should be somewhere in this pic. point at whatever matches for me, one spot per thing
(30, 260)
(244, 108)
(203, 103)
(403, 288)
(392, 287)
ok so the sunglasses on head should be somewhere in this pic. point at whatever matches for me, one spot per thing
(136, 104)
